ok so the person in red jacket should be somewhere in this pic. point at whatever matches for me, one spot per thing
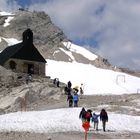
(89, 115)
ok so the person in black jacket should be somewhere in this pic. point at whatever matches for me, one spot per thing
(82, 115)
(103, 118)
(70, 99)
(69, 84)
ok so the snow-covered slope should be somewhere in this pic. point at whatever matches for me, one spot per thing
(7, 21)
(63, 120)
(95, 80)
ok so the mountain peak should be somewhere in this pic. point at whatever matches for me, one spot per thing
(48, 38)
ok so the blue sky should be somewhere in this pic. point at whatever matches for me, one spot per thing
(109, 27)
(24, 2)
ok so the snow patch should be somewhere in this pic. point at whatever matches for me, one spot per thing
(11, 41)
(80, 50)
(56, 52)
(7, 21)
(68, 53)
(5, 13)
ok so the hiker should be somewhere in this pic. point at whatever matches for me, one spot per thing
(75, 99)
(54, 81)
(70, 99)
(88, 115)
(57, 83)
(82, 115)
(104, 118)
(67, 90)
(95, 120)
(69, 84)
(81, 90)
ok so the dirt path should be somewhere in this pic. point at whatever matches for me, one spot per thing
(66, 136)
(125, 104)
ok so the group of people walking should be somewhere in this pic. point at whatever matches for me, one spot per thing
(85, 115)
(93, 117)
(72, 95)
(73, 99)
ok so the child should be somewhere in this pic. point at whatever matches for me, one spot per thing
(95, 120)
(75, 99)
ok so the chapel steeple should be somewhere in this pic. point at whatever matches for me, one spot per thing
(27, 36)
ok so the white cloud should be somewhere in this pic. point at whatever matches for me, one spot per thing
(72, 16)
(8, 5)
(114, 25)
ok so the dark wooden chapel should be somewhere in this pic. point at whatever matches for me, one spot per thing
(23, 57)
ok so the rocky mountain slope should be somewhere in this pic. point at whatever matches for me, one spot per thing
(48, 37)
(14, 91)
(45, 32)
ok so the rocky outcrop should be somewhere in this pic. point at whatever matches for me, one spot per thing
(26, 96)
(7, 77)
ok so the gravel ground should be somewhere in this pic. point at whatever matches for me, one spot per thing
(66, 136)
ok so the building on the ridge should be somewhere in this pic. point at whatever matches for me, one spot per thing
(23, 57)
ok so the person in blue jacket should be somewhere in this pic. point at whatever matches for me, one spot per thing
(95, 120)
(75, 99)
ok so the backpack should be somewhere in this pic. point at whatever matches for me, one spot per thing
(88, 115)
